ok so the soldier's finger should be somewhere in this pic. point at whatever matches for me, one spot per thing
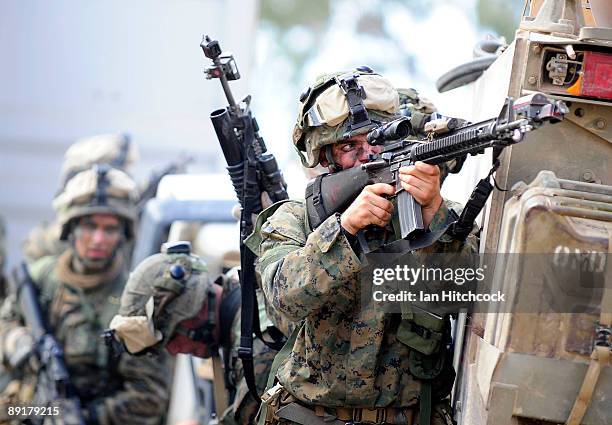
(414, 185)
(380, 189)
(416, 173)
(416, 192)
(410, 189)
(380, 213)
(381, 203)
(432, 170)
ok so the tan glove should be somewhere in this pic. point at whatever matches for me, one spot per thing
(16, 346)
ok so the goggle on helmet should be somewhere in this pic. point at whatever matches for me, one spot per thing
(340, 106)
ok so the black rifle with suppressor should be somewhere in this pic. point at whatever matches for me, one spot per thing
(447, 139)
(253, 172)
(53, 387)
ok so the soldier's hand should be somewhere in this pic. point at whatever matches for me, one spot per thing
(422, 181)
(368, 208)
(18, 347)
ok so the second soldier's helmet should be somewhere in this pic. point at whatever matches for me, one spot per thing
(339, 106)
(98, 190)
(169, 302)
(116, 150)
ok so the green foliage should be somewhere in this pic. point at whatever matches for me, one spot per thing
(502, 16)
(285, 14)
(286, 17)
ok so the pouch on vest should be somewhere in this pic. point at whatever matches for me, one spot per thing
(420, 330)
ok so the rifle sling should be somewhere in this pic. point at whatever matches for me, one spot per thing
(249, 320)
(247, 317)
(461, 228)
(458, 229)
(229, 308)
(314, 190)
(401, 246)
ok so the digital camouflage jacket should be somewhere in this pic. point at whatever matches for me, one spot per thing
(344, 356)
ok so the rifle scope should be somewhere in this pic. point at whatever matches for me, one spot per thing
(395, 130)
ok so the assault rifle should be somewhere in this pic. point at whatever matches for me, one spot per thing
(53, 386)
(447, 139)
(254, 172)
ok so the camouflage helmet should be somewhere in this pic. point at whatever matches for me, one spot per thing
(98, 190)
(117, 150)
(178, 284)
(339, 106)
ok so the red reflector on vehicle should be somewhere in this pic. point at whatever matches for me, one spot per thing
(597, 75)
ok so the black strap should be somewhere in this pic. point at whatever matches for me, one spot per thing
(358, 115)
(102, 184)
(228, 310)
(425, 403)
(230, 304)
(317, 200)
(461, 228)
(332, 165)
(458, 229)
(249, 317)
(204, 334)
(402, 246)
(247, 269)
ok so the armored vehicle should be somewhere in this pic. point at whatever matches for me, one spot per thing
(547, 364)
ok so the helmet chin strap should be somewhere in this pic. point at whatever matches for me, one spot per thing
(333, 166)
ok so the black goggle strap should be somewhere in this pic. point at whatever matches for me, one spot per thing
(358, 115)
(100, 197)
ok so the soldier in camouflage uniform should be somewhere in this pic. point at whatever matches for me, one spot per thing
(349, 364)
(117, 150)
(189, 314)
(79, 293)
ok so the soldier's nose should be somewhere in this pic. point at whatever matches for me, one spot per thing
(98, 236)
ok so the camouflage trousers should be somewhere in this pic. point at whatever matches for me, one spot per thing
(282, 408)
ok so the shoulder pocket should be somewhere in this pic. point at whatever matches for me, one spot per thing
(277, 226)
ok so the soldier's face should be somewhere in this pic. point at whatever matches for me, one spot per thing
(353, 152)
(97, 236)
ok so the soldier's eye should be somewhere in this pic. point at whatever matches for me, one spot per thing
(348, 147)
(88, 227)
(111, 231)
